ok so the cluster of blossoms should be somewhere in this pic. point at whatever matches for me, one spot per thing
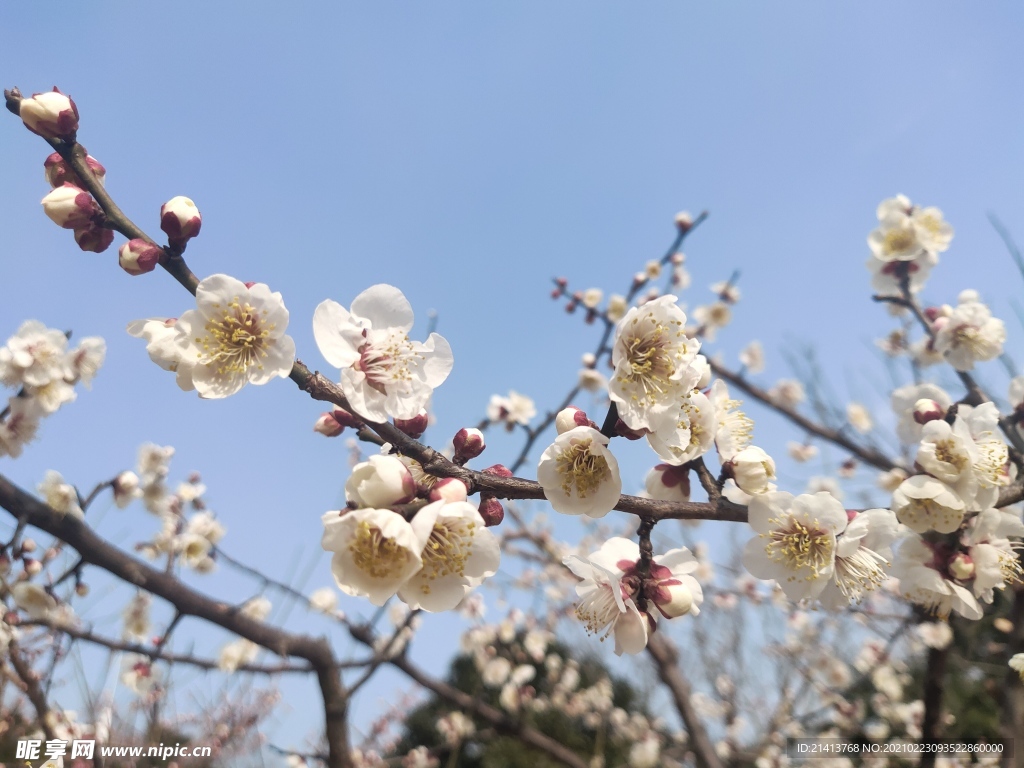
(906, 245)
(430, 546)
(38, 362)
(623, 595)
(189, 532)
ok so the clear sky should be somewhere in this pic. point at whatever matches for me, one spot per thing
(468, 152)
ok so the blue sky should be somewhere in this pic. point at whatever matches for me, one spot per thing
(467, 153)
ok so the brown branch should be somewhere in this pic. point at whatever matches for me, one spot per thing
(666, 661)
(96, 551)
(867, 455)
(33, 690)
(934, 687)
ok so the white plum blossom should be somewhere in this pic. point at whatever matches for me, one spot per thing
(375, 552)
(788, 393)
(380, 482)
(167, 346)
(383, 373)
(34, 600)
(59, 495)
(579, 475)
(20, 426)
(858, 417)
(863, 555)
(1016, 663)
(651, 355)
(993, 554)
(752, 357)
(34, 356)
(206, 525)
(796, 542)
(460, 552)
(136, 617)
(513, 409)
(752, 469)
(85, 360)
(605, 605)
(887, 276)
(690, 435)
(324, 600)
(138, 674)
(924, 578)
(924, 503)
(969, 335)
(235, 336)
(949, 453)
(237, 654)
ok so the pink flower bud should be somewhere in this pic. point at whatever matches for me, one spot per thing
(961, 566)
(449, 489)
(570, 418)
(328, 426)
(926, 410)
(180, 219)
(32, 567)
(347, 419)
(684, 221)
(94, 238)
(469, 443)
(498, 470)
(81, 589)
(59, 172)
(414, 427)
(137, 257)
(52, 115)
(668, 483)
(491, 510)
(28, 545)
(70, 207)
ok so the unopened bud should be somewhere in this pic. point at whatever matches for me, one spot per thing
(570, 418)
(32, 567)
(684, 221)
(491, 510)
(52, 115)
(328, 426)
(498, 470)
(126, 488)
(448, 489)
(667, 482)
(962, 567)
(59, 172)
(137, 257)
(28, 545)
(81, 589)
(926, 410)
(673, 600)
(50, 554)
(752, 469)
(469, 443)
(347, 419)
(414, 427)
(180, 219)
(94, 238)
(70, 207)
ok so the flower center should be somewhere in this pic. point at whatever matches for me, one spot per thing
(598, 611)
(387, 360)
(899, 240)
(374, 554)
(652, 356)
(448, 549)
(237, 339)
(582, 469)
(800, 547)
(946, 452)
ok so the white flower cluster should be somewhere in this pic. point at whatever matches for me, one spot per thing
(613, 584)
(430, 556)
(906, 245)
(963, 464)
(38, 363)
